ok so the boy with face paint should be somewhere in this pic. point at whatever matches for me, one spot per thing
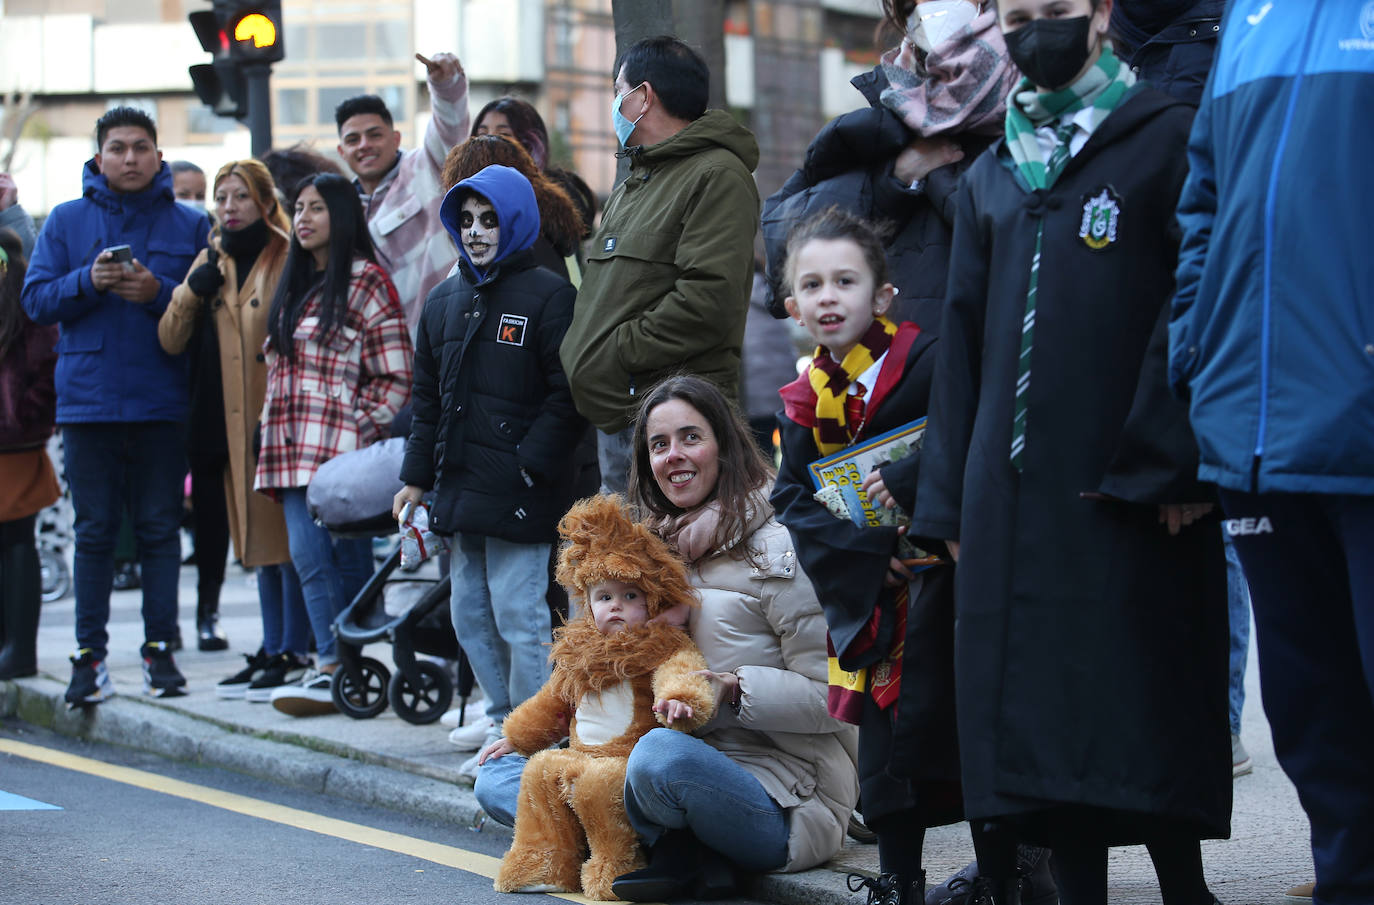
(492, 426)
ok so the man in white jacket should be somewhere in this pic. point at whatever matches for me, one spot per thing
(401, 190)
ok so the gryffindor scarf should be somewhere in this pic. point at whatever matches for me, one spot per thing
(830, 380)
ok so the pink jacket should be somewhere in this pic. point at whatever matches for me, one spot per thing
(403, 212)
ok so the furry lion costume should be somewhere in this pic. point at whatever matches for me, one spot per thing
(601, 693)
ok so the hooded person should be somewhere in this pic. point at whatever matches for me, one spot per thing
(490, 432)
(616, 675)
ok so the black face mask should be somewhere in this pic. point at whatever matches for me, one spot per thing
(1050, 52)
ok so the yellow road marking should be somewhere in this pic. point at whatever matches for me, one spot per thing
(447, 855)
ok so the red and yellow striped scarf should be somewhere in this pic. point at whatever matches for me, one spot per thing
(831, 380)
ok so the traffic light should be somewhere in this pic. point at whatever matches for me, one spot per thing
(254, 30)
(218, 84)
(245, 39)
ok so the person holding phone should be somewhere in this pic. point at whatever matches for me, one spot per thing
(103, 269)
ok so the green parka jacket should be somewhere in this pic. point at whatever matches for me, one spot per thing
(667, 280)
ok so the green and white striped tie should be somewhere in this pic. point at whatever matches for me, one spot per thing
(1058, 158)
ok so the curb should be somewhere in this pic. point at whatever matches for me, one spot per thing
(298, 761)
(315, 765)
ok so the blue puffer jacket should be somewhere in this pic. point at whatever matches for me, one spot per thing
(1272, 337)
(110, 366)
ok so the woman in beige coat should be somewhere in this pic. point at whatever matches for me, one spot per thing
(228, 292)
(770, 782)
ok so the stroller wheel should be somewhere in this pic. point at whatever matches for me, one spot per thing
(364, 698)
(426, 703)
(54, 576)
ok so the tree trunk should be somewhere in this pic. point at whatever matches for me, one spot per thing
(634, 21)
(701, 23)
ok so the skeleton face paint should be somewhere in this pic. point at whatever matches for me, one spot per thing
(481, 230)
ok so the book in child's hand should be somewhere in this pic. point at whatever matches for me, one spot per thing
(839, 477)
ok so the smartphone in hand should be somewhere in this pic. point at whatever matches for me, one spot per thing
(120, 254)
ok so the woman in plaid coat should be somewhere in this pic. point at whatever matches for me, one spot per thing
(339, 367)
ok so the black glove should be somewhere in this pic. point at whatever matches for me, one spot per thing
(205, 280)
(257, 441)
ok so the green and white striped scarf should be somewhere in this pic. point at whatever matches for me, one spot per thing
(1099, 90)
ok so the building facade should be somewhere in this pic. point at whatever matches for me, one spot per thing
(787, 65)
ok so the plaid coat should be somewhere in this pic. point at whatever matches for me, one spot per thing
(338, 395)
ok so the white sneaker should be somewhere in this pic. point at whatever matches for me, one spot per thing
(473, 736)
(1241, 762)
(451, 717)
(468, 769)
(309, 697)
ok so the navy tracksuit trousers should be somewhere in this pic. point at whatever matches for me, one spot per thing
(1309, 559)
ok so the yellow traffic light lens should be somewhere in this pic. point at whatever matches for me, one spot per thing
(257, 27)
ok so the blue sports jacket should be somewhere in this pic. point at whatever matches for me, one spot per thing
(1272, 331)
(110, 366)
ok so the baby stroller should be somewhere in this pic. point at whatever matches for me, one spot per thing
(351, 496)
(55, 535)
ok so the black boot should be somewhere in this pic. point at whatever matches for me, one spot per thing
(1037, 883)
(209, 636)
(957, 888)
(679, 866)
(890, 889)
(989, 892)
(22, 600)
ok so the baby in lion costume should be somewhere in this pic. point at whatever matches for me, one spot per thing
(611, 665)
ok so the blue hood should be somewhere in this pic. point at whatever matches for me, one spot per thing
(97, 188)
(511, 195)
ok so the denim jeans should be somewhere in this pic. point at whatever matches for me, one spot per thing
(141, 466)
(497, 788)
(285, 622)
(677, 781)
(613, 455)
(1238, 605)
(673, 781)
(501, 616)
(331, 570)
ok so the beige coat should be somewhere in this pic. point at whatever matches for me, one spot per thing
(255, 521)
(763, 622)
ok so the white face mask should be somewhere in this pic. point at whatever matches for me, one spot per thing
(933, 22)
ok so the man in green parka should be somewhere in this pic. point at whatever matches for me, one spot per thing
(666, 285)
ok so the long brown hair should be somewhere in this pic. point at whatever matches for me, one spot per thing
(743, 470)
(559, 219)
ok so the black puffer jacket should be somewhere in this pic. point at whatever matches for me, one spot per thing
(849, 164)
(1169, 45)
(494, 425)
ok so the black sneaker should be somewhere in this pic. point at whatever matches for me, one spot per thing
(91, 682)
(283, 669)
(235, 686)
(161, 678)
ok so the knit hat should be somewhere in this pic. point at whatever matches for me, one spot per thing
(602, 542)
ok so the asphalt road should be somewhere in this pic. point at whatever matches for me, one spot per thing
(86, 823)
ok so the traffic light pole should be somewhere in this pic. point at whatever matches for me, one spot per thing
(257, 77)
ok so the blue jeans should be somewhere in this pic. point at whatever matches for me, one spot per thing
(1238, 606)
(501, 617)
(673, 781)
(331, 570)
(613, 455)
(110, 467)
(285, 622)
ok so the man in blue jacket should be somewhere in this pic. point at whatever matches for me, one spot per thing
(1272, 342)
(121, 400)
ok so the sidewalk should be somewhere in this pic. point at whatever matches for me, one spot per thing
(388, 762)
